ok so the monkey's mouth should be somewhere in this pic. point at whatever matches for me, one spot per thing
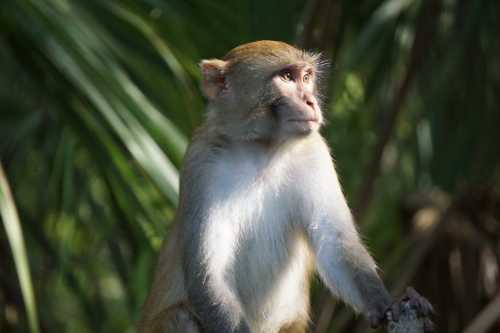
(304, 120)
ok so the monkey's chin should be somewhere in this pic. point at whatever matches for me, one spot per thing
(302, 128)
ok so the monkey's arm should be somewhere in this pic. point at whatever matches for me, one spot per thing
(214, 304)
(342, 261)
(345, 265)
(216, 310)
(348, 270)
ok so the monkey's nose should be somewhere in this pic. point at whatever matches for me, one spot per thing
(310, 100)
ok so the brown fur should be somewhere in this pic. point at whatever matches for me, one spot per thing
(167, 295)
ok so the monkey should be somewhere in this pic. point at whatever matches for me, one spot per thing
(261, 208)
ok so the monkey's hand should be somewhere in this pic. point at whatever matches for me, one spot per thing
(409, 314)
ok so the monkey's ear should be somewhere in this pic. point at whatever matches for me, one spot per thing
(213, 81)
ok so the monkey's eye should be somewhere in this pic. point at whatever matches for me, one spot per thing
(307, 77)
(287, 75)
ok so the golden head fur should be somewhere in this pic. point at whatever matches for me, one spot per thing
(265, 55)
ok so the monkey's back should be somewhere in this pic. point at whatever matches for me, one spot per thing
(168, 292)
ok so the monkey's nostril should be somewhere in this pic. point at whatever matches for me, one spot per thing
(310, 103)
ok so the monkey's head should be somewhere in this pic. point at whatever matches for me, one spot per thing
(264, 90)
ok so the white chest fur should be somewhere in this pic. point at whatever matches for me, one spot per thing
(255, 244)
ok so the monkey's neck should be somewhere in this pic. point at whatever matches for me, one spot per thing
(261, 148)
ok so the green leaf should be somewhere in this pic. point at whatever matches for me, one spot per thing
(14, 232)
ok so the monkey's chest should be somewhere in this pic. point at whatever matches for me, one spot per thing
(251, 213)
(262, 257)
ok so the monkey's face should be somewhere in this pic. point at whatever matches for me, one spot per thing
(263, 91)
(295, 106)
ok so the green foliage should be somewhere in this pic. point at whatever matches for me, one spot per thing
(15, 237)
(99, 99)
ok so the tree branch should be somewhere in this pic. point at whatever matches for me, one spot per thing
(409, 321)
(486, 318)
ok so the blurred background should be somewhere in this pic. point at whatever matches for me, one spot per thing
(98, 100)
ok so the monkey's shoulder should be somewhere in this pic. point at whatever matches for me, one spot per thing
(240, 168)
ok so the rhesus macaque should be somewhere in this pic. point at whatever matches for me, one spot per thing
(260, 208)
